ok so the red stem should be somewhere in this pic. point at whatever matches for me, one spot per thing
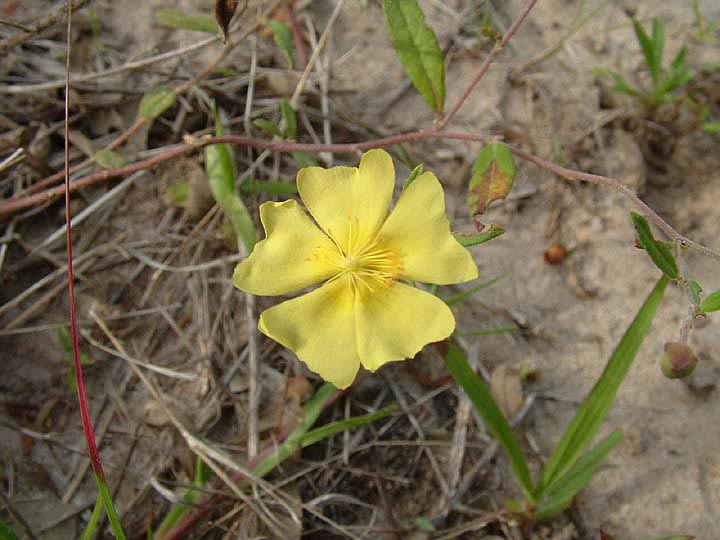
(82, 398)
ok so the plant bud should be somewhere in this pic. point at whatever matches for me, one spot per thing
(678, 362)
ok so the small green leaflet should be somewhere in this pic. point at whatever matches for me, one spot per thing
(659, 251)
(107, 159)
(155, 102)
(174, 18)
(283, 39)
(177, 194)
(417, 171)
(695, 290)
(418, 50)
(711, 303)
(493, 174)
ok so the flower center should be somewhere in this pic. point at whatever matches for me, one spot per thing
(367, 263)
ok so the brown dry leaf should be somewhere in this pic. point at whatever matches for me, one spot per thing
(224, 11)
(506, 388)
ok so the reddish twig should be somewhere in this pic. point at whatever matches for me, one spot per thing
(14, 205)
(486, 64)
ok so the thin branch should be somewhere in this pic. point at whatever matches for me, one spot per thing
(41, 24)
(486, 64)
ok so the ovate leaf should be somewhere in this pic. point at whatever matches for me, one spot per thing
(107, 159)
(711, 303)
(174, 18)
(241, 221)
(155, 102)
(492, 179)
(283, 39)
(695, 290)
(659, 252)
(271, 128)
(418, 50)
(219, 169)
(224, 11)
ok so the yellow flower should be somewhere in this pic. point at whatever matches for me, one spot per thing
(363, 313)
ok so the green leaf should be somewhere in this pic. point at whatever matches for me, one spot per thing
(155, 102)
(711, 303)
(659, 252)
(711, 128)
(678, 63)
(92, 523)
(288, 114)
(695, 290)
(310, 414)
(418, 50)
(492, 179)
(485, 405)
(219, 165)
(677, 537)
(424, 524)
(174, 18)
(646, 44)
(658, 39)
(6, 532)
(468, 240)
(220, 172)
(328, 430)
(592, 411)
(271, 128)
(107, 159)
(283, 39)
(177, 194)
(241, 220)
(460, 297)
(304, 159)
(417, 171)
(576, 478)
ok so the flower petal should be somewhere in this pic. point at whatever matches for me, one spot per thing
(350, 203)
(284, 262)
(319, 327)
(419, 231)
(386, 333)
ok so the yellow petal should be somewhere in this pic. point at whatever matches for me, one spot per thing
(419, 231)
(395, 322)
(319, 327)
(350, 203)
(284, 261)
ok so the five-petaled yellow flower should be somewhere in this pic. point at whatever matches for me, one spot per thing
(363, 313)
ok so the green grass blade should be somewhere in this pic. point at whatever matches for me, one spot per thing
(178, 510)
(328, 430)
(92, 522)
(113, 519)
(460, 297)
(658, 40)
(576, 478)
(494, 419)
(310, 414)
(646, 44)
(418, 50)
(593, 410)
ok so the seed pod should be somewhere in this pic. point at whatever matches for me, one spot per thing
(678, 362)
